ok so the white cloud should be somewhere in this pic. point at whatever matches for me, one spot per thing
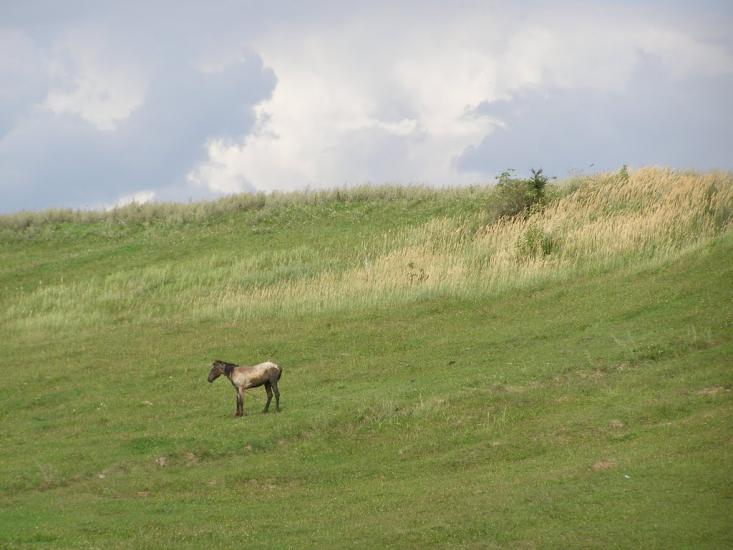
(352, 93)
(101, 115)
(87, 81)
(141, 197)
(99, 101)
(103, 100)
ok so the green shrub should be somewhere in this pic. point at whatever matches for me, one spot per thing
(516, 196)
(534, 242)
(623, 174)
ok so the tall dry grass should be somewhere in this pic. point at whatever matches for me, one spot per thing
(654, 214)
(32, 222)
(609, 220)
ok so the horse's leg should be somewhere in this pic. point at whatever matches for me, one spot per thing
(268, 389)
(277, 395)
(240, 402)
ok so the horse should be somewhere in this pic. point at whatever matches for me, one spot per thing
(243, 377)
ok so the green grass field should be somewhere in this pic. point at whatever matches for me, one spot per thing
(445, 382)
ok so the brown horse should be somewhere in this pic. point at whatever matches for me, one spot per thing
(243, 377)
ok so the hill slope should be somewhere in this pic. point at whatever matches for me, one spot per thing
(572, 395)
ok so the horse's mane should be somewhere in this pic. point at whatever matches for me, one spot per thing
(228, 367)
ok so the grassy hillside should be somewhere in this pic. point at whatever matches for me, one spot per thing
(450, 378)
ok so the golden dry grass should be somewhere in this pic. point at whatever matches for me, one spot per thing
(607, 221)
(654, 214)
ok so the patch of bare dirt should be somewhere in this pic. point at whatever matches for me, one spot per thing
(605, 464)
(616, 424)
(595, 374)
(509, 388)
(712, 390)
(261, 485)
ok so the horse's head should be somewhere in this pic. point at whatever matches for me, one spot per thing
(217, 369)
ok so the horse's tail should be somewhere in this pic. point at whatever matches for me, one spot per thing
(279, 372)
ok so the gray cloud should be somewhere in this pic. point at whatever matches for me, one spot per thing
(104, 100)
(656, 119)
(23, 79)
(59, 159)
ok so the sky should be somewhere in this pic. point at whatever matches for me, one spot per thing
(104, 103)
